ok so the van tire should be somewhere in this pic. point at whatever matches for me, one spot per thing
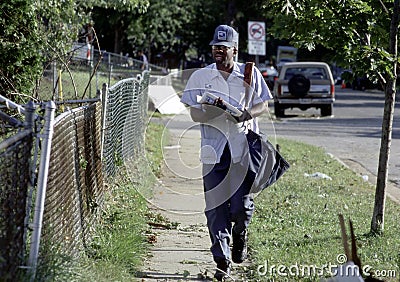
(279, 110)
(299, 85)
(326, 110)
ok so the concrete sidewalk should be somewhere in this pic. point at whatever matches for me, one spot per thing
(182, 254)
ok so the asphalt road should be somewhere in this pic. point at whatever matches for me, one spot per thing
(352, 134)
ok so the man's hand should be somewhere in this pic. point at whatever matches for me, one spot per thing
(255, 111)
(212, 110)
(206, 113)
(244, 116)
(219, 103)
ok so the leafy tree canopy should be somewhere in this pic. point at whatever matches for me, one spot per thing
(34, 33)
(119, 5)
(356, 30)
(166, 23)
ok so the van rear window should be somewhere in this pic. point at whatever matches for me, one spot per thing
(310, 73)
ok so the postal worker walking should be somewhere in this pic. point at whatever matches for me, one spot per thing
(223, 124)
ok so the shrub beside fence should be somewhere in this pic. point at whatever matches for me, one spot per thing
(87, 144)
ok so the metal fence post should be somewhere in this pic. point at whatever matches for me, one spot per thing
(104, 99)
(41, 188)
(55, 79)
(29, 110)
(90, 79)
(29, 114)
(109, 69)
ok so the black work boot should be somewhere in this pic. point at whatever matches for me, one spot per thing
(223, 269)
(239, 248)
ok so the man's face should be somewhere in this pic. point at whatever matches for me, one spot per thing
(223, 55)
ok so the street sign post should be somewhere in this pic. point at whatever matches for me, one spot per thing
(256, 39)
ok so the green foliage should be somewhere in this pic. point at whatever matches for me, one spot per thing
(111, 20)
(156, 138)
(33, 33)
(358, 31)
(120, 239)
(18, 34)
(173, 25)
(119, 5)
(161, 23)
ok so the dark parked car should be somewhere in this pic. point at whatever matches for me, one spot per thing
(363, 83)
(270, 74)
(347, 80)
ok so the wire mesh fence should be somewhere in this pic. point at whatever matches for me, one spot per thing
(87, 145)
(15, 182)
(75, 183)
(124, 122)
(14, 185)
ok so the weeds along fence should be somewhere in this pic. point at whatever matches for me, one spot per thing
(81, 78)
(53, 166)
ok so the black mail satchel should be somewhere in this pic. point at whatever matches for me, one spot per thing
(264, 159)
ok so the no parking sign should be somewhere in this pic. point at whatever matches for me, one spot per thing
(256, 37)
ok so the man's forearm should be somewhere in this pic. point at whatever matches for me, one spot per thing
(259, 109)
(208, 112)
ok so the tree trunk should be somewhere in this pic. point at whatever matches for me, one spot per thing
(117, 38)
(230, 17)
(377, 223)
(149, 53)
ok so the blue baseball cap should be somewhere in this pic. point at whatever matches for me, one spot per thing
(226, 36)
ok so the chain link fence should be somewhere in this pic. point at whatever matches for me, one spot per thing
(125, 122)
(14, 185)
(16, 124)
(75, 184)
(87, 144)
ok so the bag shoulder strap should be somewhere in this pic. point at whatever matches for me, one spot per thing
(248, 77)
(248, 73)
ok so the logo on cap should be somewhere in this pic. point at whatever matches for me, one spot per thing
(222, 35)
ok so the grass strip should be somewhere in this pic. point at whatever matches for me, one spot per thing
(120, 246)
(295, 233)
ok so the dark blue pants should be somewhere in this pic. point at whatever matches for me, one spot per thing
(226, 187)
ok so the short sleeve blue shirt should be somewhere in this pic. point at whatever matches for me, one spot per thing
(220, 130)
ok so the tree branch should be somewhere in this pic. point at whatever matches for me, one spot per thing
(384, 7)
